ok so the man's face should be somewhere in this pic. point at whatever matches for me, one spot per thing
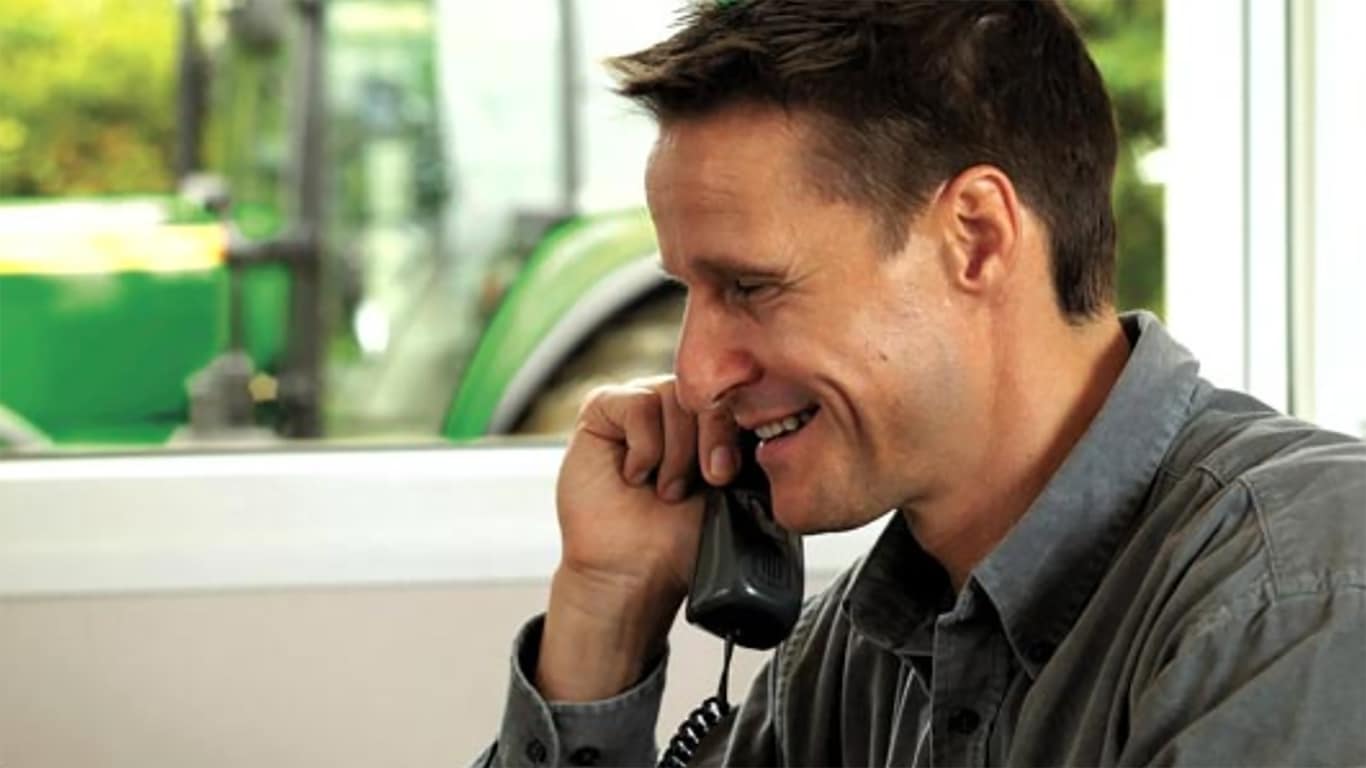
(797, 317)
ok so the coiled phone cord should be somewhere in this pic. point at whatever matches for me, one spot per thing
(683, 746)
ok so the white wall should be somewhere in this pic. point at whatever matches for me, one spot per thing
(327, 608)
(325, 678)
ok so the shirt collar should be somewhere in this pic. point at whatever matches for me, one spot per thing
(1043, 573)
(897, 592)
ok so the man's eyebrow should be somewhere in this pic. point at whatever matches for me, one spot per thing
(721, 266)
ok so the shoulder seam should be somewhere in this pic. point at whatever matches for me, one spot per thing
(1171, 473)
(1210, 472)
(1268, 544)
(1220, 616)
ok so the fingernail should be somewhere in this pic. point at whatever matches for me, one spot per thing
(676, 490)
(722, 462)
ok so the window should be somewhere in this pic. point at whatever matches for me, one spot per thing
(447, 156)
(1264, 275)
(1330, 313)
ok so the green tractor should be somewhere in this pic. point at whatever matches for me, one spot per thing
(320, 272)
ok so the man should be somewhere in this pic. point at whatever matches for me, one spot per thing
(893, 222)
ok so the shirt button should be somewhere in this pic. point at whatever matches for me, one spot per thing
(964, 721)
(535, 751)
(585, 756)
(1039, 652)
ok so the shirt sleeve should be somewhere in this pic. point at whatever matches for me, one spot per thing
(1274, 682)
(619, 731)
(612, 732)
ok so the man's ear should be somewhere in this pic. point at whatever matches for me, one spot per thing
(980, 219)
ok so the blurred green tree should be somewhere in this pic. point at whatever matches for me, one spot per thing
(1125, 39)
(87, 97)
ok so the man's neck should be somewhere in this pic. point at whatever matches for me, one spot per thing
(1050, 388)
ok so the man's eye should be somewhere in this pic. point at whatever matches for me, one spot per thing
(749, 289)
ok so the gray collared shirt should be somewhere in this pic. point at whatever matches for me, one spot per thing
(1189, 588)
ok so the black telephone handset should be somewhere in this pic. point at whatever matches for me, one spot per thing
(747, 585)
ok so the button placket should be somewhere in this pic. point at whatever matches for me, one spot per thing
(969, 679)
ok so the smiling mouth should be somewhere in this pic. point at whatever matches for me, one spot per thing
(786, 426)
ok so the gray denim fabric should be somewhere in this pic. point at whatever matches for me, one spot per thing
(1190, 588)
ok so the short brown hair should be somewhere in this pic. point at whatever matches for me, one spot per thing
(908, 93)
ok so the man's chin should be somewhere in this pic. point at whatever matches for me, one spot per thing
(809, 519)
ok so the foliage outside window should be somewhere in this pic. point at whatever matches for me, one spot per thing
(1125, 39)
(86, 102)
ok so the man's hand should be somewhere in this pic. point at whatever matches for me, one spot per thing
(629, 516)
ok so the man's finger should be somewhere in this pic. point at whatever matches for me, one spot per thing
(680, 446)
(718, 446)
(629, 415)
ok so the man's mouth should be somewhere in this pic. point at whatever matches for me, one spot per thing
(786, 425)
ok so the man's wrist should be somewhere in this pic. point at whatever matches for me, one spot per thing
(597, 643)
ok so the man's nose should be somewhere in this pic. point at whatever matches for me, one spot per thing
(713, 360)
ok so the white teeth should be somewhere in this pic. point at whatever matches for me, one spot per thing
(783, 425)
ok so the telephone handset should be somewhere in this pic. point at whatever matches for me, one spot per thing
(748, 581)
(746, 587)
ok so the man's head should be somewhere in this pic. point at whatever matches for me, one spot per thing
(865, 200)
(901, 95)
